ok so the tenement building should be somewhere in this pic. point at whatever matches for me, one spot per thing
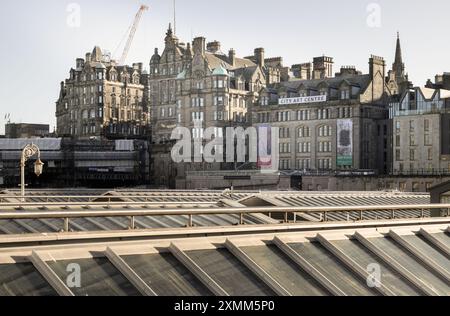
(102, 98)
(333, 122)
(330, 122)
(421, 132)
(197, 86)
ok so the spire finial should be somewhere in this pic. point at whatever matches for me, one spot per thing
(398, 35)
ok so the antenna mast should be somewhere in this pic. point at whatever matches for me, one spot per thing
(175, 17)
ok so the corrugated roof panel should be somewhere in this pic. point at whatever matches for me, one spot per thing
(329, 266)
(391, 279)
(229, 273)
(22, 279)
(166, 275)
(412, 264)
(284, 271)
(98, 278)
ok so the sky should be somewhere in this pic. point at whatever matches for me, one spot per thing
(40, 40)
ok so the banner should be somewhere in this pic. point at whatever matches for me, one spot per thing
(264, 146)
(344, 143)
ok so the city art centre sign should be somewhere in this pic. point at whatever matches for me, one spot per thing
(300, 100)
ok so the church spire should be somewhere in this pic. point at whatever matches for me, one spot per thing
(398, 51)
(399, 67)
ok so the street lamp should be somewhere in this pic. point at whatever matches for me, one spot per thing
(29, 151)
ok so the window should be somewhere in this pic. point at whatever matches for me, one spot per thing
(303, 115)
(426, 125)
(325, 131)
(397, 127)
(265, 101)
(398, 155)
(430, 153)
(197, 102)
(285, 132)
(412, 140)
(304, 132)
(397, 141)
(345, 94)
(197, 116)
(427, 140)
(285, 148)
(303, 164)
(412, 155)
(218, 101)
(197, 133)
(323, 114)
(304, 148)
(411, 126)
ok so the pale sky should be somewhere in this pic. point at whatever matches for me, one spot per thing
(38, 46)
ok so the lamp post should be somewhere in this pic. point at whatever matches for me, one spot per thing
(29, 151)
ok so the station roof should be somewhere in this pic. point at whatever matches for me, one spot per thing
(410, 257)
(184, 202)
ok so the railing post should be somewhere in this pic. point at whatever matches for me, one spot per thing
(286, 217)
(190, 222)
(325, 217)
(393, 214)
(361, 215)
(132, 223)
(422, 213)
(242, 218)
(66, 224)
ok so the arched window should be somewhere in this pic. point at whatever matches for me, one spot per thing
(325, 131)
(303, 132)
(84, 114)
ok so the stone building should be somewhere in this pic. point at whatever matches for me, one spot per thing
(421, 132)
(198, 86)
(101, 98)
(333, 122)
(329, 123)
(24, 130)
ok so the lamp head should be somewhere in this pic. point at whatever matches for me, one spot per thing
(38, 167)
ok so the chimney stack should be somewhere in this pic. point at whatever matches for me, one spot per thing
(199, 45)
(213, 47)
(259, 57)
(232, 56)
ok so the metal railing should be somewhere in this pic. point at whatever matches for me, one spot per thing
(175, 198)
(324, 212)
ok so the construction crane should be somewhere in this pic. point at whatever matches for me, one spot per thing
(134, 27)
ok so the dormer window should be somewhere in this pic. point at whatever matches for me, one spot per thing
(345, 94)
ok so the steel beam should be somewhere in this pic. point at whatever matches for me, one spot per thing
(49, 275)
(256, 269)
(308, 268)
(395, 265)
(435, 242)
(129, 273)
(429, 262)
(352, 265)
(198, 272)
